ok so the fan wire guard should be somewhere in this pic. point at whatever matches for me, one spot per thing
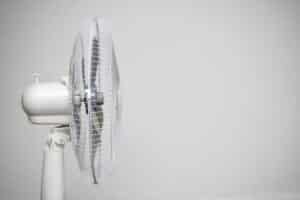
(94, 122)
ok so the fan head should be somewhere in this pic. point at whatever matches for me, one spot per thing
(94, 90)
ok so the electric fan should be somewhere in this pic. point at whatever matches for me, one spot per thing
(84, 108)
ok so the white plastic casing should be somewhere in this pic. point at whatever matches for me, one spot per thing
(47, 103)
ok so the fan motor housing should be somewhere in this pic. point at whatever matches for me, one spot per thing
(47, 103)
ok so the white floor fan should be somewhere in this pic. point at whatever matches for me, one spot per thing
(84, 109)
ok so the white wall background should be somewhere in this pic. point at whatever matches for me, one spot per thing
(210, 96)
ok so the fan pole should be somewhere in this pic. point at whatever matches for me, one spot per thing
(53, 164)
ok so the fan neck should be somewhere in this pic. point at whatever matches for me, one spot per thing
(58, 137)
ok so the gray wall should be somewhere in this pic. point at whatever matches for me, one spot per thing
(210, 96)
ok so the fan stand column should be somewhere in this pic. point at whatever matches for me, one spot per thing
(53, 164)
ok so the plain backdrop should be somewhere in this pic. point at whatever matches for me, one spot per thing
(210, 97)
